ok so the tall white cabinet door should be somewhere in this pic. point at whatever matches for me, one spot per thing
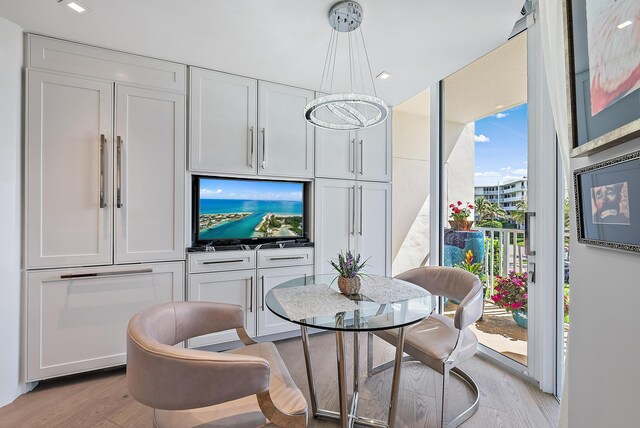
(223, 123)
(68, 157)
(77, 318)
(335, 218)
(236, 287)
(149, 175)
(373, 147)
(374, 226)
(285, 137)
(268, 323)
(335, 154)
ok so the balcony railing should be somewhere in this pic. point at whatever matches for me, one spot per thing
(504, 252)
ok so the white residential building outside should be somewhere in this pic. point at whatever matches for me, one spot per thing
(506, 195)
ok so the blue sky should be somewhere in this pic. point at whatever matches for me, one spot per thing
(253, 190)
(501, 147)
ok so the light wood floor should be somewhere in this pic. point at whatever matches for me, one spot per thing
(102, 400)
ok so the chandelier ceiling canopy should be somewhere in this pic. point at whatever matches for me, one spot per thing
(353, 109)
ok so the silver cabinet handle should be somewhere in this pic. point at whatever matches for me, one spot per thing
(103, 144)
(262, 306)
(119, 173)
(352, 156)
(287, 258)
(251, 147)
(361, 157)
(361, 209)
(99, 274)
(527, 242)
(264, 148)
(251, 294)
(353, 211)
(215, 262)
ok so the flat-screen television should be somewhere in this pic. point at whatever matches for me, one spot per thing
(246, 211)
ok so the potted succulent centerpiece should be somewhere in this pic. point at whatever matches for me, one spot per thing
(511, 294)
(350, 270)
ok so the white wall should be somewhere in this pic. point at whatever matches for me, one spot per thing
(10, 200)
(410, 242)
(459, 165)
(604, 340)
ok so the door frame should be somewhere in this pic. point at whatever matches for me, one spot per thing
(542, 199)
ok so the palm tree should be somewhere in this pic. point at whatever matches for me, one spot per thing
(481, 207)
(519, 213)
(495, 212)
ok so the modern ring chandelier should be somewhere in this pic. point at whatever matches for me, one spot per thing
(353, 109)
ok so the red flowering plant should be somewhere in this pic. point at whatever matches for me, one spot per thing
(511, 292)
(460, 211)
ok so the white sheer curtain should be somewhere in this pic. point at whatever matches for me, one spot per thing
(553, 51)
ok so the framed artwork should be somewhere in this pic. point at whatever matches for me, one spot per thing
(602, 39)
(608, 203)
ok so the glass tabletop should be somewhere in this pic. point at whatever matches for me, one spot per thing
(315, 301)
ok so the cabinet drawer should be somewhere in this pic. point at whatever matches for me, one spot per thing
(78, 59)
(285, 257)
(227, 260)
(77, 318)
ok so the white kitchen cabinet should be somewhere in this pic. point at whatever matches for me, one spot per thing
(373, 152)
(374, 226)
(335, 214)
(285, 138)
(355, 216)
(354, 155)
(234, 287)
(335, 154)
(149, 175)
(69, 162)
(223, 123)
(268, 323)
(77, 318)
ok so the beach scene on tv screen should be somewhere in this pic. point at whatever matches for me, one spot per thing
(243, 209)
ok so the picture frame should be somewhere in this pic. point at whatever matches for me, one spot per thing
(614, 115)
(607, 196)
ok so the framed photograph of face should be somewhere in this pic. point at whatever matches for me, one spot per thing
(602, 39)
(608, 203)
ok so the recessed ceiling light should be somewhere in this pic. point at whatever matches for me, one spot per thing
(500, 106)
(624, 24)
(384, 75)
(76, 7)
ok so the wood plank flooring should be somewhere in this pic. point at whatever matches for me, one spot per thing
(102, 399)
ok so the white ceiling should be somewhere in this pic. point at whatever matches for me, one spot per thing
(418, 41)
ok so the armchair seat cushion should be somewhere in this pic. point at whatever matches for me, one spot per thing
(244, 412)
(282, 389)
(432, 340)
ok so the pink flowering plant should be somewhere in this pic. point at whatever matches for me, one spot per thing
(460, 211)
(511, 292)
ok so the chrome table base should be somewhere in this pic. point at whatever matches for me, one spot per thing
(348, 416)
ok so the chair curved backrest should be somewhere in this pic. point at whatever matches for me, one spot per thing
(453, 283)
(166, 377)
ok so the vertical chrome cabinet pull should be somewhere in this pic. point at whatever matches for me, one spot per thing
(103, 144)
(527, 242)
(361, 209)
(361, 157)
(264, 148)
(251, 147)
(262, 305)
(251, 294)
(119, 174)
(353, 211)
(352, 156)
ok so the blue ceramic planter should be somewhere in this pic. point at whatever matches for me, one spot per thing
(520, 317)
(458, 242)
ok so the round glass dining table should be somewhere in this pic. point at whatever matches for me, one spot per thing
(382, 304)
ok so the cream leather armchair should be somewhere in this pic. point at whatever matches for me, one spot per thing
(186, 388)
(440, 342)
